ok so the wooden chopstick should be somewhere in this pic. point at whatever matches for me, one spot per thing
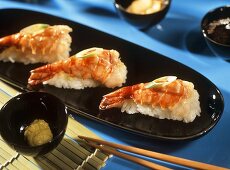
(131, 158)
(151, 154)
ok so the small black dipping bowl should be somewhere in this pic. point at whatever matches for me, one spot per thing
(140, 21)
(216, 33)
(22, 110)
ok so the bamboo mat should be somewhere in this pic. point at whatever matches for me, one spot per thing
(71, 153)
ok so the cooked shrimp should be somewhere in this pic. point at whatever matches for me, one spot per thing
(166, 97)
(90, 67)
(162, 95)
(37, 43)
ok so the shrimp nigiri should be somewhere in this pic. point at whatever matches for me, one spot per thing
(88, 68)
(38, 43)
(166, 97)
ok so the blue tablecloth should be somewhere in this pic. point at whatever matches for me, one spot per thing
(178, 37)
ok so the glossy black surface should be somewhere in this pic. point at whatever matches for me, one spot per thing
(143, 66)
(20, 111)
(140, 21)
(218, 48)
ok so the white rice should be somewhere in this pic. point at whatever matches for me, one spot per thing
(185, 110)
(54, 50)
(63, 80)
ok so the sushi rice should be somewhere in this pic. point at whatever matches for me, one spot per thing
(185, 110)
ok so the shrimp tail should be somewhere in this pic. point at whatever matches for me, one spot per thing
(116, 98)
(43, 73)
(10, 40)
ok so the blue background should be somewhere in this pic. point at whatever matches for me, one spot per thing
(179, 37)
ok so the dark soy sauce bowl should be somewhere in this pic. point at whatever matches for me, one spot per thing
(141, 21)
(22, 110)
(217, 35)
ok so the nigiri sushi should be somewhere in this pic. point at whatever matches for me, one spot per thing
(164, 98)
(38, 43)
(89, 68)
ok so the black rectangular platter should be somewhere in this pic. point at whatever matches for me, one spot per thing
(143, 66)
